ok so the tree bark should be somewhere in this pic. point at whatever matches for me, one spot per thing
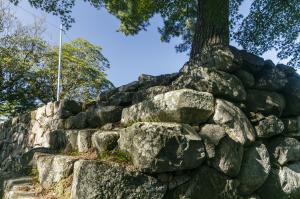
(212, 26)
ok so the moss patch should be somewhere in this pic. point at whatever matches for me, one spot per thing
(116, 156)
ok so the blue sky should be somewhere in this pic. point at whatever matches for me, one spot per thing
(129, 56)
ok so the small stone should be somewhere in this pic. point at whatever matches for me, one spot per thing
(84, 140)
(211, 135)
(269, 126)
(234, 121)
(105, 140)
(284, 150)
(265, 102)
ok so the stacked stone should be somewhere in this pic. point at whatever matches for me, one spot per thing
(227, 127)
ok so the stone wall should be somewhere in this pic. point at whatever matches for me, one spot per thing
(226, 128)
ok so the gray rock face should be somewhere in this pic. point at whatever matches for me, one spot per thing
(252, 62)
(229, 156)
(292, 92)
(99, 116)
(269, 127)
(162, 147)
(255, 169)
(183, 106)
(78, 121)
(105, 140)
(246, 77)
(235, 122)
(149, 93)
(207, 183)
(220, 84)
(53, 168)
(291, 124)
(254, 196)
(288, 70)
(265, 102)
(115, 98)
(271, 79)
(211, 135)
(84, 141)
(284, 150)
(67, 108)
(216, 58)
(95, 180)
(148, 81)
(283, 183)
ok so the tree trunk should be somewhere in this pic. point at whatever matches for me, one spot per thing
(212, 26)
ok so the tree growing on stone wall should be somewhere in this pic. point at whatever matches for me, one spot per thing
(203, 24)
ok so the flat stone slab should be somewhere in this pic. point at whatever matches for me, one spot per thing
(53, 168)
(182, 106)
(94, 179)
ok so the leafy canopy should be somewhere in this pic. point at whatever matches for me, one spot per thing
(28, 67)
(270, 23)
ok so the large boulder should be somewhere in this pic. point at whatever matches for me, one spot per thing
(218, 58)
(284, 150)
(105, 140)
(251, 62)
(283, 183)
(206, 183)
(84, 140)
(67, 108)
(211, 134)
(53, 168)
(228, 158)
(162, 147)
(99, 116)
(183, 106)
(220, 84)
(235, 122)
(93, 180)
(246, 77)
(255, 169)
(292, 94)
(271, 78)
(78, 121)
(265, 102)
(269, 126)
(149, 93)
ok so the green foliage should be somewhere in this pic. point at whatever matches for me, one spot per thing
(20, 50)
(83, 67)
(28, 67)
(116, 156)
(270, 25)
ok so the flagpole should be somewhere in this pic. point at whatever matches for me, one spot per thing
(59, 65)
